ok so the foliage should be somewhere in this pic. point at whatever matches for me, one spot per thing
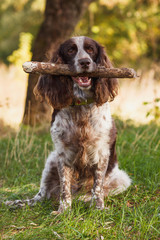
(23, 54)
(154, 110)
(17, 17)
(128, 29)
(131, 215)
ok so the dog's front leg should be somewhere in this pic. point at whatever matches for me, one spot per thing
(65, 175)
(98, 191)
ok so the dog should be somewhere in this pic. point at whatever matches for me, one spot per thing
(82, 129)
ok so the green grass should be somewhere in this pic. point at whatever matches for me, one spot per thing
(134, 214)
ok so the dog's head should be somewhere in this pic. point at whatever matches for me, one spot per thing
(82, 54)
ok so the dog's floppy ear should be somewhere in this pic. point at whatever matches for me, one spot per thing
(57, 90)
(102, 58)
(105, 88)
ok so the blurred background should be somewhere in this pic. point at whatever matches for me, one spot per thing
(129, 30)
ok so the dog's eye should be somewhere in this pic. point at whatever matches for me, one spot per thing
(71, 50)
(89, 50)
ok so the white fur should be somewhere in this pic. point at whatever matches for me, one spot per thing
(117, 181)
(98, 128)
(81, 53)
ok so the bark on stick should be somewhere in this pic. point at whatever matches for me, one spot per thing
(63, 69)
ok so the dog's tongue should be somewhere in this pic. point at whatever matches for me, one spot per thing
(82, 81)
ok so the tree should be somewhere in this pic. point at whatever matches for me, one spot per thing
(130, 30)
(16, 18)
(60, 20)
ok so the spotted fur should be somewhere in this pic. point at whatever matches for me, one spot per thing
(84, 136)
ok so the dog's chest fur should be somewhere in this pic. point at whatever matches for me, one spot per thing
(82, 134)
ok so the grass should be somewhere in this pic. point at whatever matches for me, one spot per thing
(134, 214)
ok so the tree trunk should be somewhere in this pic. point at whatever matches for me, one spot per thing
(61, 17)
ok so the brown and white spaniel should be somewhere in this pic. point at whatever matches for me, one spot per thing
(83, 132)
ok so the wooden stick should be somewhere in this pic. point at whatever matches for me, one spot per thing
(63, 69)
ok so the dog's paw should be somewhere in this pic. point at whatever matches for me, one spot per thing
(64, 206)
(16, 203)
(21, 203)
(98, 203)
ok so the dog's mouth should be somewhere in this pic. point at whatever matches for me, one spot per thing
(84, 82)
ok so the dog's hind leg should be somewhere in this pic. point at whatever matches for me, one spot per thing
(49, 184)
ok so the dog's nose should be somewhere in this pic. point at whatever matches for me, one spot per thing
(84, 62)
